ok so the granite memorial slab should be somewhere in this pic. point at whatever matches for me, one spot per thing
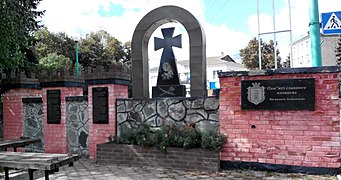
(53, 106)
(279, 94)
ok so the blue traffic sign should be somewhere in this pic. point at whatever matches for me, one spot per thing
(331, 23)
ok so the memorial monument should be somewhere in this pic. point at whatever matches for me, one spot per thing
(168, 83)
(197, 43)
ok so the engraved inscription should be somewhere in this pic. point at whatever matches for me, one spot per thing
(281, 94)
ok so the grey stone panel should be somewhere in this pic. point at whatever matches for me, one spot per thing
(121, 107)
(149, 110)
(140, 40)
(33, 121)
(211, 104)
(158, 112)
(162, 109)
(138, 107)
(198, 104)
(77, 119)
(213, 117)
(177, 111)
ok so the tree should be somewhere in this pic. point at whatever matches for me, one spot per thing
(17, 26)
(127, 54)
(338, 52)
(287, 62)
(55, 61)
(249, 55)
(59, 43)
(97, 48)
(100, 48)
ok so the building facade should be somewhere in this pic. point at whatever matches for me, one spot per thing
(301, 51)
(214, 65)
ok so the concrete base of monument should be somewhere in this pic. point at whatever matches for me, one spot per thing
(169, 91)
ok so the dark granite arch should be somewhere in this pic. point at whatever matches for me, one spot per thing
(197, 43)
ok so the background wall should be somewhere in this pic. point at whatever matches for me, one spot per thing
(302, 138)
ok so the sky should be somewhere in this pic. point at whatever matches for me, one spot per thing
(228, 24)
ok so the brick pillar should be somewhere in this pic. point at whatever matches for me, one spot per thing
(55, 135)
(17, 86)
(116, 79)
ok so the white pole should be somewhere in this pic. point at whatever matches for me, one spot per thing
(259, 43)
(274, 27)
(291, 56)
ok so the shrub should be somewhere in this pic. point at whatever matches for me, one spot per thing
(171, 136)
(177, 136)
(144, 137)
(212, 140)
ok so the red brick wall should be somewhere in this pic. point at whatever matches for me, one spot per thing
(303, 138)
(99, 133)
(55, 138)
(13, 111)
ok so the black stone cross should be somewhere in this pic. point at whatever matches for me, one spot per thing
(168, 83)
(168, 72)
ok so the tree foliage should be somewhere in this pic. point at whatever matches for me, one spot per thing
(287, 62)
(17, 26)
(338, 52)
(59, 43)
(100, 48)
(97, 48)
(249, 55)
(55, 61)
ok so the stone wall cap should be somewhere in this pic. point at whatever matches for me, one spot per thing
(267, 72)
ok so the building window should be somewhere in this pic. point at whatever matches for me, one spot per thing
(215, 74)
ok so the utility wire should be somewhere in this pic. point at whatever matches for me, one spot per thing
(221, 8)
(209, 5)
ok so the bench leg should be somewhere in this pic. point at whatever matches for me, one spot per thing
(6, 173)
(47, 174)
(30, 174)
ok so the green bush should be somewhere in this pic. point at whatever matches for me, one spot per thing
(212, 140)
(171, 136)
(128, 136)
(144, 137)
(177, 136)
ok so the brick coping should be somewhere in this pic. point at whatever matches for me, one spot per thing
(267, 72)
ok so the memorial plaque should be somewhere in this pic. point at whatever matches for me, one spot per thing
(53, 106)
(100, 106)
(280, 94)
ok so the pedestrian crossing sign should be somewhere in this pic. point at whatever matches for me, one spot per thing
(331, 23)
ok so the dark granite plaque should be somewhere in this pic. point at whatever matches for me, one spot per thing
(280, 94)
(53, 106)
(169, 91)
(100, 106)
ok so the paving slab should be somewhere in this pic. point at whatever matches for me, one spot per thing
(86, 169)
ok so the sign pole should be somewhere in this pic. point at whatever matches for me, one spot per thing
(315, 33)
(259, 40)
(77, 68)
